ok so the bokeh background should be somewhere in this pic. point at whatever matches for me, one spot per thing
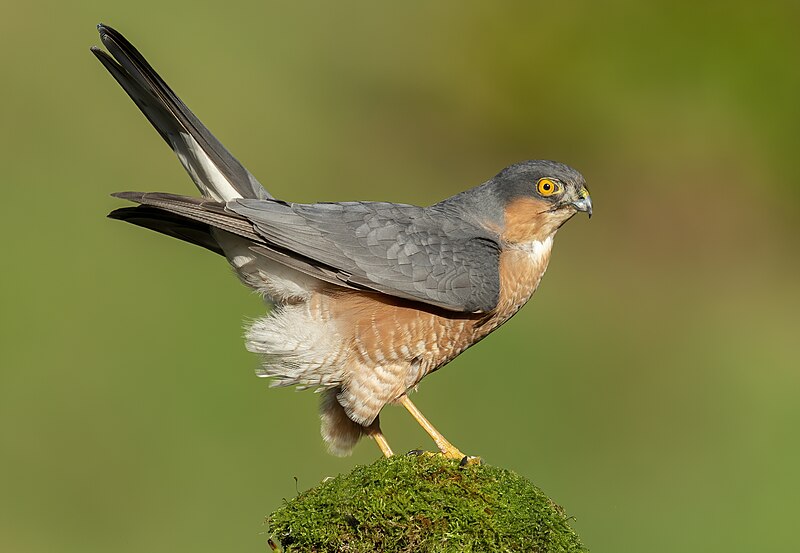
(651, 387)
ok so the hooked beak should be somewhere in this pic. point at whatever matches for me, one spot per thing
(584, 203)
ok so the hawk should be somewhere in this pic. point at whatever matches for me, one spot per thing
(367, 298)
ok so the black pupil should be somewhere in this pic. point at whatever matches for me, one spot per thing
(546, 186)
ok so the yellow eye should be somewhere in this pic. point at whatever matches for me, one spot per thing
(546, 187)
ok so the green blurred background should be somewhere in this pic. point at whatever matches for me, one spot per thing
(651, 387)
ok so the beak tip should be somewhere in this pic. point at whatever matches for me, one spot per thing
(585, 205)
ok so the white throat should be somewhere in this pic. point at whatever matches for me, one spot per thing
(536, 249)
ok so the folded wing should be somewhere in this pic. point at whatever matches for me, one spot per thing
(400, 250)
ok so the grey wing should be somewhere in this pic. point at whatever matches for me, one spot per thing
(213, 168)
(405, 251)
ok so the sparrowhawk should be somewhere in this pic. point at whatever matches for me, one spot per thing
(366, 298)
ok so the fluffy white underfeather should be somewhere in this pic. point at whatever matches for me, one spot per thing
(299, 347)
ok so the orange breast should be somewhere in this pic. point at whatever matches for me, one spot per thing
(387, 331)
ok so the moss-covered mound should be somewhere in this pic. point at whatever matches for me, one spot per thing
(423, 503)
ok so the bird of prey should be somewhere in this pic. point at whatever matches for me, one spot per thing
(366, 298)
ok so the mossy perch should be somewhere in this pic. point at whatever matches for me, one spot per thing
(423, 503)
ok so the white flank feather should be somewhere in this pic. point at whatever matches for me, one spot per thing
(299, 346)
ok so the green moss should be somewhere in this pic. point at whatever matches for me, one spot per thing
(420, 504)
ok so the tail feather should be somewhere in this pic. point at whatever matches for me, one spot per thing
(199, 210)
(212, 167)
(171, 224)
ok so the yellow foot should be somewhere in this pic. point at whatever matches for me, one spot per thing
(470, 461)
(449, 450)
(463, 460)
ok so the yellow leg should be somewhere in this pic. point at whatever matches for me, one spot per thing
(449, 450)
(374, 432)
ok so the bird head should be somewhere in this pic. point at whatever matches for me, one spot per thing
(524, 202)
(537, 197)
(557, 187)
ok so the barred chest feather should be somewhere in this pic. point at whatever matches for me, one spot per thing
(522, 267)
